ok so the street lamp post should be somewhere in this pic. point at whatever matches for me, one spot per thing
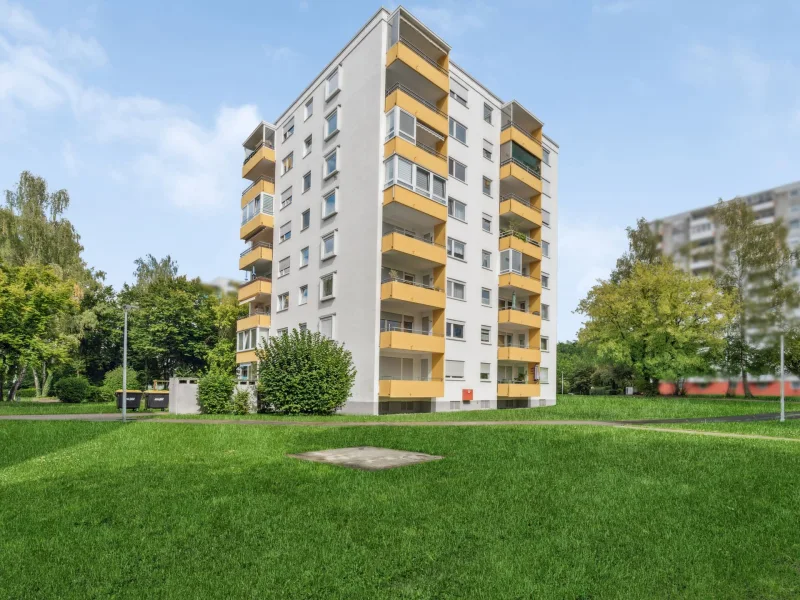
(126, 308)
(783, 383)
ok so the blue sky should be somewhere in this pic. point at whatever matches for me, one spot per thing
(139, 109)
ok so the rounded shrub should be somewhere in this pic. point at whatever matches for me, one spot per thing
(112, 381)
(26, 393)
(241, 402)
(73, 389)
(214, 392)
(304, 373)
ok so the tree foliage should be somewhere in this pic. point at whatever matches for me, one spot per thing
(215, 392)
(304, 373)
(642, 248)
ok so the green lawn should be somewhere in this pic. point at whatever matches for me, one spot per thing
(26, 407)
(787, 429)
(97, 510)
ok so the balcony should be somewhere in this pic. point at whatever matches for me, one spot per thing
(419, 153)
(258, 219)
(517, 207)
(527, 246)
(404, 56)
(517, 319)
(513, 132)
(257, 252)
(518, 353)
(397, 292)
(260, 162)
(524, 284)
(402, 203)
(423, 110)
(411, 388)
(411, 250)
(517, 390)
(259, 318)
(518, 176)
(248, 356)
(260, 286)
(410, 340)
(262, 185)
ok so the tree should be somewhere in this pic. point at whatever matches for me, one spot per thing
(756, 272)
(100, 322)
(642, 248)
(227, 311)
(661, 322)
(304, 373)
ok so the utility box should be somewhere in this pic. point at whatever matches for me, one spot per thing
(466, 394)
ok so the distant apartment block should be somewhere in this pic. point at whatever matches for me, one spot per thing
(400, 207)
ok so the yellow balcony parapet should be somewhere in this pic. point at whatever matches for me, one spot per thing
(517, 390)
(511, 132)
(409, 244)
(397, 289)
(519, 354)
(515, 240)
(254, 320)
(262, 185)
(511, 205)
(248, 356)
(512, 168)
(263, 152)
(424, 111)
(407, 53)
(415, 201)
(258, 251)
(256, 224)
(527, 283)
(515, 316)
(418, 153)
(404, 388)
(413, 341)
(258, 286)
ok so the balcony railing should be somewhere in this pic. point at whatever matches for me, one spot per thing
(521, 130)
(519, 380)
(266, 209)
(401, 378)
(256, 278)
(393, 326)
(255, 245)
(518, 309)
(521, 165)
(519, 236)
(524, 201)
(260, 311)
(427, 58)
(411, 234)
(416, 97)
(521, 274)
(513, 345)
(267, 143)
(262, 178)
(391, 278)
(430, 150)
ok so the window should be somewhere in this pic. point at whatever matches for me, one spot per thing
(302, 326)
(487, 113)
(286, 231)
(456, 249)
(454, 369)
(305, 219)
(283, 331)
(309, 109)
(332, 123)
(307, 181)
(486, 334)
(488, 149)
(332, 85)
(546, 217)
(307, 146)
(283, 302)
(456, 289)
(486, 296)
(546, 312)
(544, 375)
(331, 164)
(286, 198)
(486, 222)
(326, 288)
(545, 281)
(303, 295)
(246, 340)
(402, 123)
(287, 163)
(545, 344)
(546, 156)
(487, 186)
(304, 257)
(511, 261)
(458, 92)
(422, 181)
(326, 326)
(458, 131)
(399, 171)
(328, 248)
(329, 204)
(288, 129)
(283, 267)
(486, 372)
(486, 259)
(457, 170)
(457, 210)
(545, 248)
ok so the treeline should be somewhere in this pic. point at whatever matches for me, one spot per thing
(652, 321)
(58, 318)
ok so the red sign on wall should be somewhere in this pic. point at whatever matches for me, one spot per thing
(466, 394)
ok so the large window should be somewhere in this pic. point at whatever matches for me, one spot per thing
(255, 206)
(332, 123)
(456, 209)
(401, 123)
(457, 170)
(247, 340)
(331, 164)
(454, 369)
(454, 330)
(511, 261)
(326, 286)
(519, 153)
(458, 131)
(329, 204)
(456, 249)
(456, 289)
(399, 171)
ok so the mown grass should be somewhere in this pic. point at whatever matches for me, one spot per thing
(787, 429)
(155, 510)
(27, 407)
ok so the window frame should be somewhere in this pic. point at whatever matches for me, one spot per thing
(484, 219)
(331, 93)
(322, 279)
(327, 176)
(488, 378)
(456, 202)
(452, 173)
(283, 237)
(451, 285)
(449, 377)
(307, 177)
(335, 193)
(484, 255)
(290, 158)
(307, 145)
(489, 303)
(302, 295)
(306, 112)
(323, 239)
(451, 243)
(490, 113)
(305, 219)
(452, 130)
(285, 296)
(449, 330)
(487, 329)
(326, 135)
(283, 271)
(304, 259)
(483, 186)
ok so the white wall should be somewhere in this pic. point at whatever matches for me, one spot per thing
(550, 266)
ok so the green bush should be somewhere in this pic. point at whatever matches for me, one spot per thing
(26, 393)
(241, 402)
(73, 389)
(214, 392)
(96, 394)
(304, 373)
(113, 382)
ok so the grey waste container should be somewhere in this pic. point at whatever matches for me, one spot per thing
(156, 399)
(133, 399)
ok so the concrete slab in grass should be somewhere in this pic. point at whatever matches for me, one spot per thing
(367, 458)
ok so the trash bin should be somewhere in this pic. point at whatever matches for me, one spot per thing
(156, 399)
(133, 400)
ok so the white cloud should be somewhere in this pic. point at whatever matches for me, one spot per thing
(453, 19)
(280, 54)
(616, 7)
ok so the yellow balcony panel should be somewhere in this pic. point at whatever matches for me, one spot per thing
(249, 356)
(258, 287)
(511, 133)
(399, 388)
(517, 390)
(398, 195)
(520, 319)
(256, 224)
(423, 65)
(426, 158)
(516, 354)
(404, 246)
(257, 320)
(401, 291)
(258, 162)
(423, 110)
(512, 206)
(526, 246)
(523, 283)
(513, 169)
(414, 342)
(265, 185)
(258, 252)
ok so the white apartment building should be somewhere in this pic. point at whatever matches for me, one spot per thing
(403, 209)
